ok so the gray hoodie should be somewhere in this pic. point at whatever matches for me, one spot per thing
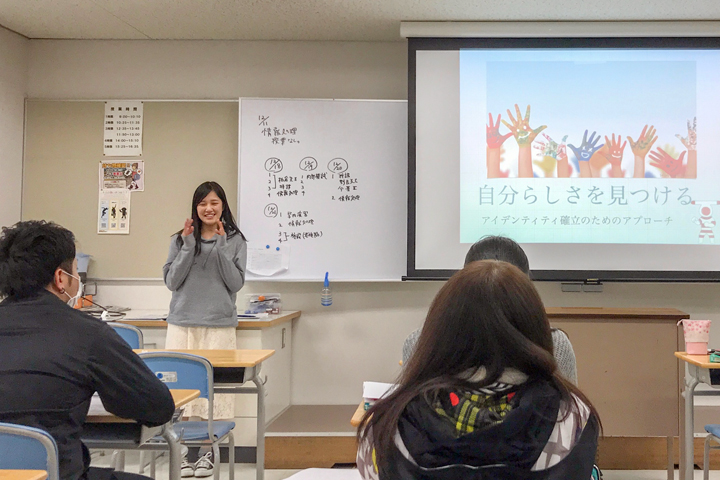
(205, 286)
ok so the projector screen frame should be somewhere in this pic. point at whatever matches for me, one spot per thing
(628, 42)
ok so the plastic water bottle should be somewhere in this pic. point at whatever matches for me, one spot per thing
(326, 294)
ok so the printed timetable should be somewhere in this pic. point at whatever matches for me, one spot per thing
(123, 126)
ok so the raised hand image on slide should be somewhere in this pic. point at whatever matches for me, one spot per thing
(494, 146)
(553, 155)
(690, 143)
(494, 138)
(524, 136)
(615, 155)
(640, 149)
(599, 161)
(665, 162)
(586, 150)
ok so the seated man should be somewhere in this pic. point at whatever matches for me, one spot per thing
(507, 250)
(55, 357)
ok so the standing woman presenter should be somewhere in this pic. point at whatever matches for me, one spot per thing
(205, 269)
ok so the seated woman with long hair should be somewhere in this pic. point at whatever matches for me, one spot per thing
(481, 398)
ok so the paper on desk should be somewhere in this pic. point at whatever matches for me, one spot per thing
(96, 407)
(265, 260)
(375, 390)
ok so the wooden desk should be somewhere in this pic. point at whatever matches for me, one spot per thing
(134, 318)
(98, 414)
(358, 415)
(274, 332)
(698, 371)
(231, 370)
(702, 361)
(23, 474)
(224, 358)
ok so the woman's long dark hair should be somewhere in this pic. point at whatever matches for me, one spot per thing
(487, 315)
(202, 191)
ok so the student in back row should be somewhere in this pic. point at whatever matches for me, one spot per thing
(54, 358)
(507, 250)
(482, 397)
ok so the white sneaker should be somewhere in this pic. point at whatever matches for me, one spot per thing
(204, 465)
(187, 469)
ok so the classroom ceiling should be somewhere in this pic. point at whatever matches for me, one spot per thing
(345, 20)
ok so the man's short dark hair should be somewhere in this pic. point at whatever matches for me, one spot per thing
(499, 248)
(30, 252)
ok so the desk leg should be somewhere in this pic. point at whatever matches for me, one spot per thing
(260, 457)
(175, 456)
(691, 382)
(671, 463)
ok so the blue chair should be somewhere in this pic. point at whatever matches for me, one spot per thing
(132, 335)
(186, 371)
(713, 435)
(27, 448)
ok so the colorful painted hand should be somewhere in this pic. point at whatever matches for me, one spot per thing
(587, 147)
(554, 156)
(690, 141)
(615, 149)
(665, 162)
(524, 135)
(494, 139)
(644, 142)
(552, 148)
(547, 165)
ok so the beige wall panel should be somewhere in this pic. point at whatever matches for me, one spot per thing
(626, 368)
(184, 144)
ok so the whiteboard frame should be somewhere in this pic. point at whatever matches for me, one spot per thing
(269, 279)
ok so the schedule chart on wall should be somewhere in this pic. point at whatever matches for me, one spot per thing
(123, 129)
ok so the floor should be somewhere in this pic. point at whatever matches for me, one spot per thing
(247, 471)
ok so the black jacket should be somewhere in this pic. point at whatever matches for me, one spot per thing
(505, 451)
(53, 358)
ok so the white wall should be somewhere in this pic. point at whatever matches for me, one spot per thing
(13, 81)
(360, 336)
(216, 69)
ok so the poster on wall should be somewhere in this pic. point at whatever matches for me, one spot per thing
(114, 212)
(119, 176)
(123, 127)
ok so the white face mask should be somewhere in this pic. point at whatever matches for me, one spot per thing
(73, 300)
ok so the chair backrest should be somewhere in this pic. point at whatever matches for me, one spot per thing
(28, 448)
(184, 371)
(132, 335)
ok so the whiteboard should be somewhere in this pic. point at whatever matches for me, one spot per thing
(325, 182)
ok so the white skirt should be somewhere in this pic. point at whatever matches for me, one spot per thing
(205, 338)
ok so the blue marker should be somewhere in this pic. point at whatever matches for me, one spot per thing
(277, 249)
(267, 246)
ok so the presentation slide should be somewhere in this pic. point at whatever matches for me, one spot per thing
(594, 159)
(589, 146)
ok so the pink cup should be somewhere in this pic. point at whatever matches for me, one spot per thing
(697, 336)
